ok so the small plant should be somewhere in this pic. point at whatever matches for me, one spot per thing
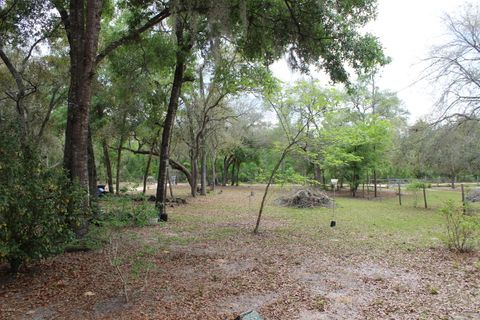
(130, 266)
(319, 303)
(417, 185)
(462, 230)
(123, 212)
(142, 214)
(477, 265)
(433, 290)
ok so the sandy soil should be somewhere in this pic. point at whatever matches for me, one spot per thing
(282, 275)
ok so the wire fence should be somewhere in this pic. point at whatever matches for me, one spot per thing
(424, 194)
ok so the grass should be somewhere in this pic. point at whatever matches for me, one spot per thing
(364, 222)
(206, 257)
(111, 213)
(377, 223)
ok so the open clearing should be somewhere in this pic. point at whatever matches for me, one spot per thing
(382, 261)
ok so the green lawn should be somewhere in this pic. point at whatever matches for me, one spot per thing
(380, 222)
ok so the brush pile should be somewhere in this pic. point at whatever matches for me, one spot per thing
(306, 198)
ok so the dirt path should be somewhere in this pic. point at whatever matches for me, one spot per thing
(206, 264)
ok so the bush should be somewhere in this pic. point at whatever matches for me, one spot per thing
(38, 205)
(417, 185)
(126, 211)
(112, 212)
(462, 230)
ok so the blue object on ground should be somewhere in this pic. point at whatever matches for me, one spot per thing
(249, 315)
(100, 190)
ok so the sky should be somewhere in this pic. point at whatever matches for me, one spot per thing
(407, 30)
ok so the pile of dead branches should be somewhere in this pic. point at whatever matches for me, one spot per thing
(306, 198)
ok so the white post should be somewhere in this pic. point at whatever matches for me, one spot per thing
(334, 183)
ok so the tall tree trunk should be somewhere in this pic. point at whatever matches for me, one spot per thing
(375, 183)
(106, 155)
(194, 184)
(368, 185)
(353, 183)
(108, 165)
(147, 170)
(233, 173)
(214, 174)
(238, 173)
(82, 25)
(92, 170)
(119, 153)
(324, 180)
(117, 169)
(317, 173)
(225, 171)
(170, 183)
(170, 118)
(203, 173)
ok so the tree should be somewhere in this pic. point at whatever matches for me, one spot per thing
(450, 150)
(207, 102)
(324, 34)
(354, 144)
(294, 123)
(367, 99)
(309, 98)
(412, 150)
(241, 129)
(453, 66)
(36, 81)
(81, 20)
(444, 150)
(312, 33)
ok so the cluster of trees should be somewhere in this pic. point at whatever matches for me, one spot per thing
(440, 153)
(117, 90)
(84, 82)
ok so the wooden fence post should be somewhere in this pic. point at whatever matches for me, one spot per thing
(399, 194)
(424, 196)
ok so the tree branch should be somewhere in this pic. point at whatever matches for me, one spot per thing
(174, 164)
(132, 35)
(53, 102)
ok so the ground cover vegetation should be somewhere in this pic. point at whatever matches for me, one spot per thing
(171, 107)
(382, 260)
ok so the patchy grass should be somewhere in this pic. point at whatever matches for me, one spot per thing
(381, 261)
(364, 220)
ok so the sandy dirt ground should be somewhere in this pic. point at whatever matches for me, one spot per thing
(206, 264)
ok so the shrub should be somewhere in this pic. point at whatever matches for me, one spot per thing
(125, 211)
(417, 185)
(38, 205)
(462, 230)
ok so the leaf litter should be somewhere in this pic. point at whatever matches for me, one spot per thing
(208, 265)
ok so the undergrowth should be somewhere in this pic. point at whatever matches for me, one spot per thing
(112, 213)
